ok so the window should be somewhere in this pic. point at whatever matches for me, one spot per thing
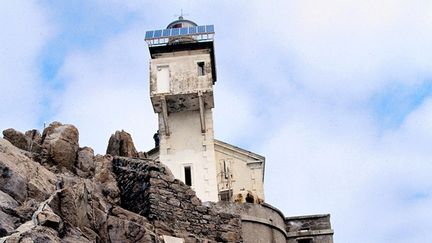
(188, 175)
(309, 240)
(226, 170)
(201, 71)
(226, 195)
(163, 79)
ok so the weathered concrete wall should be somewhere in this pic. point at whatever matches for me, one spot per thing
(239, 170)
(260, 223)
(149, 189)
(188, 143)
(314, 227)
(187, 146)
(183, 72)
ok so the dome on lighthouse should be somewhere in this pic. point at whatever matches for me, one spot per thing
(181, 23)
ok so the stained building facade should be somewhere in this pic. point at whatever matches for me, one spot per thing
(182, 76)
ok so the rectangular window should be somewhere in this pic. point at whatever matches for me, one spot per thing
(226, 195)
(163, 79)
(304, 240)
(226, 169)
(188, 175)
(201, 71)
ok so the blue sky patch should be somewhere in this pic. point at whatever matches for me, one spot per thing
(397, 101)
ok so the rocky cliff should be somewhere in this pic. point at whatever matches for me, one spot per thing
(52, 190)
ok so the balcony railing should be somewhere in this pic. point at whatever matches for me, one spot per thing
(201, 33)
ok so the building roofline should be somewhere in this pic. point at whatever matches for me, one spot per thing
(312, 216)
(153, 150)
(243, 151)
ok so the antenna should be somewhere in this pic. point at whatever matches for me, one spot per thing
(180, 17)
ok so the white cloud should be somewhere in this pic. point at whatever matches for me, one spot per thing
(107, 90)
(334, 162)
(298, 75)
(348, 48)
(24, 31)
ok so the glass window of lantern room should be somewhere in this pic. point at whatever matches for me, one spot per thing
(163, 80)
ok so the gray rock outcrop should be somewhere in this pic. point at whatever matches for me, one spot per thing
(121, 144)
(63, 193)
(38, 205)
(60, 145)
(18, 139)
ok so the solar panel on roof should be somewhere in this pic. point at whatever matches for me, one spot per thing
(210, 28)
(157, 33)
(149, 34)
(184, 31)
(166, 32)
(175, 31)
(201, 29)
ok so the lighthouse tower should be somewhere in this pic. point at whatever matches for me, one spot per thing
(182, 75)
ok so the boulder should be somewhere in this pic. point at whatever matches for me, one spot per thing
(21, 177)
(60, 145)
(121, 144)
(26, 210)
(18, 139)
(8, 219)
(105, 179)
(85, 162)
(35, 140)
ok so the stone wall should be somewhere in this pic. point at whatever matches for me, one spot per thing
(149, 189)
(316, 228)
(261, 223)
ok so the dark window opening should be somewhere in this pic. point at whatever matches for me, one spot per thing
(225, 170)
(226, 195)
(304, 241)
(250, 198)
(188, 175)
(200, 68)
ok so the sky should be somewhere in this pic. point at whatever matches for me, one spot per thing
(336, 94)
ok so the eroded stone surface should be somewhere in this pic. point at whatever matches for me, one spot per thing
(60, 145)
(17, 138)
(121, 144)
(63, 193)
(149, 189)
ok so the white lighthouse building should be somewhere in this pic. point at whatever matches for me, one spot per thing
(182, 75)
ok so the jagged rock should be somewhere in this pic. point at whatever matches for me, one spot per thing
(26, 210)
(31, 233)
(7, 202)
(18, 139)
(20, 177)
(85, 162)
(41, 205)
(125, 226)
(60, 145)
(49, 219)
(7, 223)
(79, 210)
(8, 219)
(121, 144)
(35, 140)
(105, 179)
